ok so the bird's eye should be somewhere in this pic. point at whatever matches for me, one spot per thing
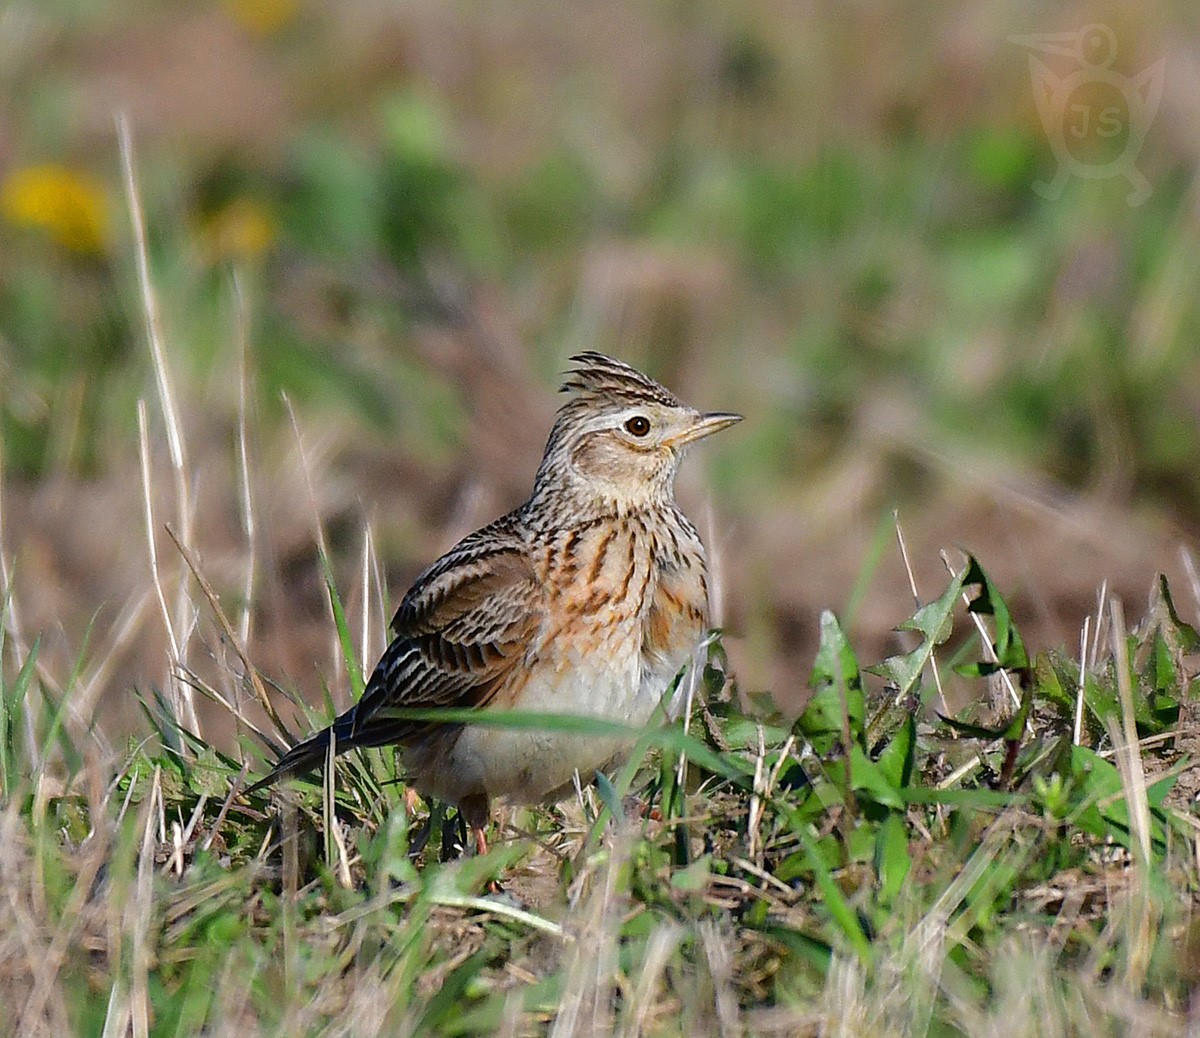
(638, 425)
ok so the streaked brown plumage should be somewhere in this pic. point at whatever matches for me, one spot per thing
(588, 599)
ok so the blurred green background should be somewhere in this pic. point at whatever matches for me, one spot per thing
(408, 216)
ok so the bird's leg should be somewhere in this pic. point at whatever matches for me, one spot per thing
(476, 811)
(640, 808)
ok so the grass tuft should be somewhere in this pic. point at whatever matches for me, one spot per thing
(827, 875)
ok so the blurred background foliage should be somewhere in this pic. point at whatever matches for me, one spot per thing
(409, 215)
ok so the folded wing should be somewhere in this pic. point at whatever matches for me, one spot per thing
(460, 631)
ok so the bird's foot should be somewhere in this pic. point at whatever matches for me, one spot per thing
(636, 807)
(480, 834)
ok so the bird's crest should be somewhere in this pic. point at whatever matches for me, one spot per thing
(597, 378)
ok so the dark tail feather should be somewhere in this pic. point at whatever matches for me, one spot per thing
(308, 755)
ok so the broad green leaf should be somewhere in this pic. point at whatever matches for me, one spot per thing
(1049, 669)
(896, 760)
(694, 879)
(1007, 644)
(838, 686)
(932, 621)
(742, 733)
(892, 860)
(1160, 666)
(1101, 809)
(609, 795)
(1163, 619)
(866, 777)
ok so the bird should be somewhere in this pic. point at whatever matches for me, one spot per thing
(589, 599)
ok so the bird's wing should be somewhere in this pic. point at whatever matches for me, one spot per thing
(460, 630)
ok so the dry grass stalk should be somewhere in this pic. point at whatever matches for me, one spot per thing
(1077, 732)
(912, 583)
(214, 603)
(1143, 917)
(318, 530)
(181, 628)
(246, 495)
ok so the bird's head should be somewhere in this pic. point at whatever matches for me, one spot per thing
(619, 438)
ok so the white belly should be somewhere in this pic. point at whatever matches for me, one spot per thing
(531, 765)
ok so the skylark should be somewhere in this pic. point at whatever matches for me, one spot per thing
(589, 599)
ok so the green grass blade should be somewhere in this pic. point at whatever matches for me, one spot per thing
(13, 703)
(836, 904)
(353, 667)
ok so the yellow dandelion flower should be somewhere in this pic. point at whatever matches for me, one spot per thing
(243, 229)
(262, 17)
(63, 203)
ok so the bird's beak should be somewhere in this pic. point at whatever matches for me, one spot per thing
(705, 425)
